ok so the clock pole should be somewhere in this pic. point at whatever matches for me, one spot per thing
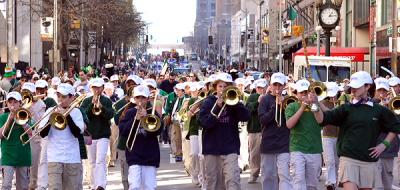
(328, 35)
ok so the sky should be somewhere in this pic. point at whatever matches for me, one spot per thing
(168, 20)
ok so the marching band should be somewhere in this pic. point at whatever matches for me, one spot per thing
(219, 125)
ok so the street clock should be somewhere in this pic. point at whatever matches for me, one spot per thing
(329, 16)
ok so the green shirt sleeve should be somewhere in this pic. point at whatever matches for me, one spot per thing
(252, 103)
(391, 123)
(107, 110)
(335, 116)
(291, 109)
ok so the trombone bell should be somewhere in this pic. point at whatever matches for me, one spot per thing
(231, 96)
(151, 123)
(394, 105)
(22, 116)
(58, 121)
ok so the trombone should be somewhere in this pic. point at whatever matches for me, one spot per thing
(97, 106)
(22, 117)
(202, 96)
(230, 96)
(150, 123)
(285, 102)
(57, 120)
(394, 103)
(320, 90)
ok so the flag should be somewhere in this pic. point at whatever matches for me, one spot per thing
(292, 13)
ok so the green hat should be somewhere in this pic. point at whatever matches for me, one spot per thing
(8, 72)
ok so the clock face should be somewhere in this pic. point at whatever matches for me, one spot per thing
(329, 16)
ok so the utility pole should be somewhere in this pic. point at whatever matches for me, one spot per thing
(260, 66)
(10, 32)
(394, 38)
(55, 39)
(81, 53)
(280, 36)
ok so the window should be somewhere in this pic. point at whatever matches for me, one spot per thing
(349, 23)
(338, 73)
(213, 6)
(386, 11)
(318, 73)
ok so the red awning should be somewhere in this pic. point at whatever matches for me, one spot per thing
(355, 54)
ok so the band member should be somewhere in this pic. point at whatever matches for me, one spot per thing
(109, 92)
(173, 105)
(221, 154)
(15, 157)
(387, 156)
(394, 83)
(63, 150)
(52, 91)
(98, 109)
(41, 89)
(360, 124)
(119, 115)
(144, 157)
(152, 85)
(37, 110)
(329, 139)
(254, 130)
(275, 156)
(305, 140)
(115, 81)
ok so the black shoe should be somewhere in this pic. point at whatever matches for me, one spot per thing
(330, 187)
(100, 188)
(178, 159)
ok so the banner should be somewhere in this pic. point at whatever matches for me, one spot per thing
(47, 29)
(92, 39)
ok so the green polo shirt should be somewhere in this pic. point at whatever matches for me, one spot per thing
(360, 126)
(13, 153)
(305, 136)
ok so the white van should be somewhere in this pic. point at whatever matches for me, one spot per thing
(324, 69)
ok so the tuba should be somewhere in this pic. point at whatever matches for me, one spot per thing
(231, 96)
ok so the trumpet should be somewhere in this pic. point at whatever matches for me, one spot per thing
(320, 90)
(22, 117)
(97, 106)
(230, 96)
(57, 120)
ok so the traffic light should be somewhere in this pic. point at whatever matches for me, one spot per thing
(265, 35)
(210, 40)
(297, 30)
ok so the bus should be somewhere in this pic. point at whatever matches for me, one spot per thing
(324, 69)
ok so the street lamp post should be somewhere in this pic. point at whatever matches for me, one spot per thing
(260, 36)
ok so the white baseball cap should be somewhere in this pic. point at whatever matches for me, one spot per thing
(16, 95)
(29, 86)
(225, 77)
(136, 79)
(141, 90)
(180, 86)
(381, 83)
(302, 85)
(250, 78)
(55, 81)
(97, 82)
(211, 78)
(359, 79)
(109, 85)
(35, 76)
(150, 82)
(394, 81)
(278, 78)
(41, 84)
(114, 78)
(66, 89)
(194, 86)
(240, 81)
(332, 89)
(260, 83)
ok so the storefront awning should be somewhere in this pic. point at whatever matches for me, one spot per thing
(355, 54)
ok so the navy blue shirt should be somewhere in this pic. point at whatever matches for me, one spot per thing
(274, 139)
(146, 151)
(221, 136)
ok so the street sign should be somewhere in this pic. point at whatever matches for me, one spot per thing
(92, 39)
(46, 29)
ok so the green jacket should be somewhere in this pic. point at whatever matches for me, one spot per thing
(99, 126)
(50, 102)
(253, 125)
(13, 153)
(194, 125)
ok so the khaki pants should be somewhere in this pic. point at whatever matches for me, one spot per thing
(306, 169)
(124, 168)
(176, 139)
(387, 173)
(64, 176)
(21, 175)
(35, 149)
(186, 151)
(113, 143)
(222, 171)
(255, 154)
